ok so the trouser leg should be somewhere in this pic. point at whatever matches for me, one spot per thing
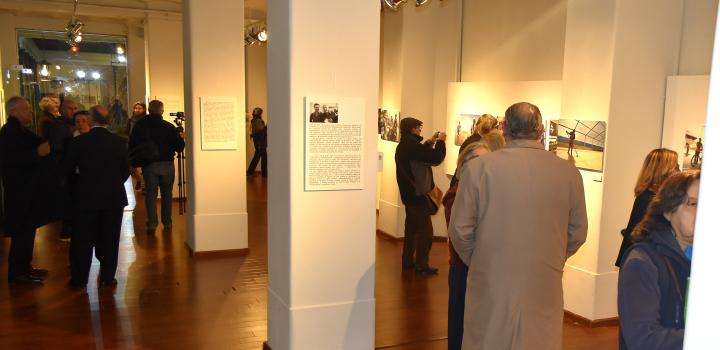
(457, 282)
(423, 237)
(263, 161)
(408, 255)
(21, 252)
(108, 241)
(81, 246)
(151, 193)
(166, 183)
(254, 162)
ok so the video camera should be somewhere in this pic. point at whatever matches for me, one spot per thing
(179, 120)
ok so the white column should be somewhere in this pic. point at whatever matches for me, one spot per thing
(321, 245)
(703, 303)
(606, 44)
(214, 56)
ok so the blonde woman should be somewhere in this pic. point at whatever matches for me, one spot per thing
(659, 164)
(457, 277)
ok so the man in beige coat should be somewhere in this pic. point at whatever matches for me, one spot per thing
(519, 214)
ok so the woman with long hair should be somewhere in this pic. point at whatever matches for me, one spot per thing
(457, 277)
(659, 164)
(655, 270)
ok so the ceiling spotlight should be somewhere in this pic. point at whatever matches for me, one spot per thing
(262, 36)
(74, 48)
(95, 75)
(74, 30)
(44, 71)
(420, 2)
(394, 4)
(80, 74)
(57, 67)
(122, 58)
(119, 49)
(68, 89)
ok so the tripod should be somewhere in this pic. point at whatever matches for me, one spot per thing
(182, 192)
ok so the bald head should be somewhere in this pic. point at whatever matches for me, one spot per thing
(523, 121)
(19, 108)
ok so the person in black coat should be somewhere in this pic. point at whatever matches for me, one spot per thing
(413, 161)
(22, 158)
(259, 136)
(659, 164)
(100, 160)
(160, 172)
(655, 272)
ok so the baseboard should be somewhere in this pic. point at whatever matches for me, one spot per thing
(389, 237)
(605, 322)
(266, 346)
(218, 253)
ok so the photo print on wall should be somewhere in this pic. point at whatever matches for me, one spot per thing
(323, 112)
(693, 152)
(388, 125)
(582, 142)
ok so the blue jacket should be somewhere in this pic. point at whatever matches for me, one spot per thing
(650, 303)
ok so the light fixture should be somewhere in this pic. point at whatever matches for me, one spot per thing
(122, 58)
(119, 49)
(57, 67)
(396, 4)
(74, 30)
(256, 33)
(68, 89)
(95, 75)
(44, 71)
(262, 36)
(80, 74)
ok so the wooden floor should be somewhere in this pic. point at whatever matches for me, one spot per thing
(166, 299)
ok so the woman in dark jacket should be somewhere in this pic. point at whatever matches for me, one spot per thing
(457, 277)
(655, 270)
(659, 164)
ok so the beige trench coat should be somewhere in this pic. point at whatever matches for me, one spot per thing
(518, 215)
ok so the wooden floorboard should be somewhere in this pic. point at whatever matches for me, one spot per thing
(167, 299)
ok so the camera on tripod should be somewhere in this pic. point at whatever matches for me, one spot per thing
(179, 120)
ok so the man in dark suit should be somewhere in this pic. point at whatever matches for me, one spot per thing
(100, 159)
(22, 154)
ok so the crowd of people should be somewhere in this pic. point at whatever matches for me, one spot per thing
(74, 171)
(516, 213)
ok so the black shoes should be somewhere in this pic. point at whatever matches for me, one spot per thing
(40, 273)
(76, 285)
(426, 270)
(408, 266)
(27, 279)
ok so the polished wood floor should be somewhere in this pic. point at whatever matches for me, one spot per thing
(167, 299)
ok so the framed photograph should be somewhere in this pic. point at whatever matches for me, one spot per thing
(388, 125)
(581, 142)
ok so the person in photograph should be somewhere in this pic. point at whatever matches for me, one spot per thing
(414, 160)
(518, 215)
(655, 272)
(659, 164)
(259, 136)
(571, 142)
(316, 116)
(22, 156)
(98, 159)
(698, 152)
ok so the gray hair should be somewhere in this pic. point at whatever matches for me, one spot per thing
(13, 102)
(523, 121)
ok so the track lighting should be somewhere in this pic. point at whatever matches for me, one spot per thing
(74, 30)
(256, 33)
(396, 4)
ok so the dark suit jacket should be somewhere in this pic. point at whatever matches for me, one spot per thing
(101, 159)
(165, 136)
(21, 170)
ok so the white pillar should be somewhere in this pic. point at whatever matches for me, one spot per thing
(321, 245)
(606, 44)
(703, 303)
(214, 56)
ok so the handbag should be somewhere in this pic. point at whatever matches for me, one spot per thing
(434, 198)
(144, 153)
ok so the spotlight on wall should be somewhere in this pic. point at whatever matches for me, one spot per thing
(74, 29)
(95, 75)
(396, 4)
(80, 74)
(256, 33)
